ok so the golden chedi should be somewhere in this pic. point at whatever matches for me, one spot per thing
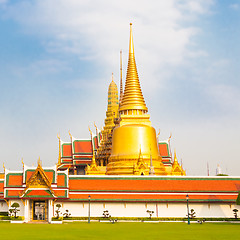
(104, 150)
(134, 143)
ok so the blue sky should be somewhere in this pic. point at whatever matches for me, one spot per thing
(57, 57)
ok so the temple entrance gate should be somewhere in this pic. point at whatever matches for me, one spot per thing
(39, 210)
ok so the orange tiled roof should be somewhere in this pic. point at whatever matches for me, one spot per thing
(1, 186)
(152, 197)
(82, 146)
(14, 180)
(164, 184)
(154, 189)
(67, 150)
(163, 149)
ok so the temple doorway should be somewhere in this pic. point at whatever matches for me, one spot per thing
(39, 210)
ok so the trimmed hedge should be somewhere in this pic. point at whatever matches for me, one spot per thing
(20, 218)
(146, 219)
(3, 213)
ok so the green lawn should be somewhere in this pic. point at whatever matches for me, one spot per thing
(123, 231)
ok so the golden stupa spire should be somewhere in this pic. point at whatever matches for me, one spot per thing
(121, 85)
(133, 97)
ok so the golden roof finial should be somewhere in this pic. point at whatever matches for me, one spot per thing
(133, 97)
(58, 136)
(39, 162)
(175, 155)
(158, 133)
(90, 131)
(70, 134)
(131, 47)
(95, 125)
(170, 137)
(3, 167)
(22, 162)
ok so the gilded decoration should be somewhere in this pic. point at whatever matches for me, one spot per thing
(38, 182)
(38, 179)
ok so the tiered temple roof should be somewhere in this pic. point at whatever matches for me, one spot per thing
(77, 154)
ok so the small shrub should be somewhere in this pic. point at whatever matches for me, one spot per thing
(58, 210)
(106, 214)
(67, 214)
(150, 213)
(235, 211)
(14, 209)
(192, 213)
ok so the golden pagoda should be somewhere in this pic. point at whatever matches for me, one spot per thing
(104, 150)
(134, 141)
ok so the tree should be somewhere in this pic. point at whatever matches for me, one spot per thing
(150, 213)
(235, 211)
(58, 210)
(14, 209)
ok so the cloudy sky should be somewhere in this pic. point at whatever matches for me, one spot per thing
(57, 57)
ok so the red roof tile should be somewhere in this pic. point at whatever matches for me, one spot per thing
(15, 180)
(67, 150)
(82, 146)
(154, 185)
(163, 149)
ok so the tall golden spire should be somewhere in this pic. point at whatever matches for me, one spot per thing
(121, 85)
(133, 97)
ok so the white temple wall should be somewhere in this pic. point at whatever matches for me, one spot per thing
(80, 209)
(3, 206)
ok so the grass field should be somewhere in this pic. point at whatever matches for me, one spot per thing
(121, 231)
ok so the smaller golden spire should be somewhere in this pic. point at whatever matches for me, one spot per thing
(175, 156)
(93, 159)
(121, 85)
(4, 167)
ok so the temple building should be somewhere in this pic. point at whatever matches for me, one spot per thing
(127, 144)
(123, 168)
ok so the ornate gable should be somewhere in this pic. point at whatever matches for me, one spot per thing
(38, 181)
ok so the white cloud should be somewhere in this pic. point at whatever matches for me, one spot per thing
(226, 97)
(97, 30)
(234, 6)
(3, 1)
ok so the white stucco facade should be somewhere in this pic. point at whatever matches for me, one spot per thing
(80, 209)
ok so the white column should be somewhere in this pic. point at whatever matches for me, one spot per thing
(26, 211)
(50, 210)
